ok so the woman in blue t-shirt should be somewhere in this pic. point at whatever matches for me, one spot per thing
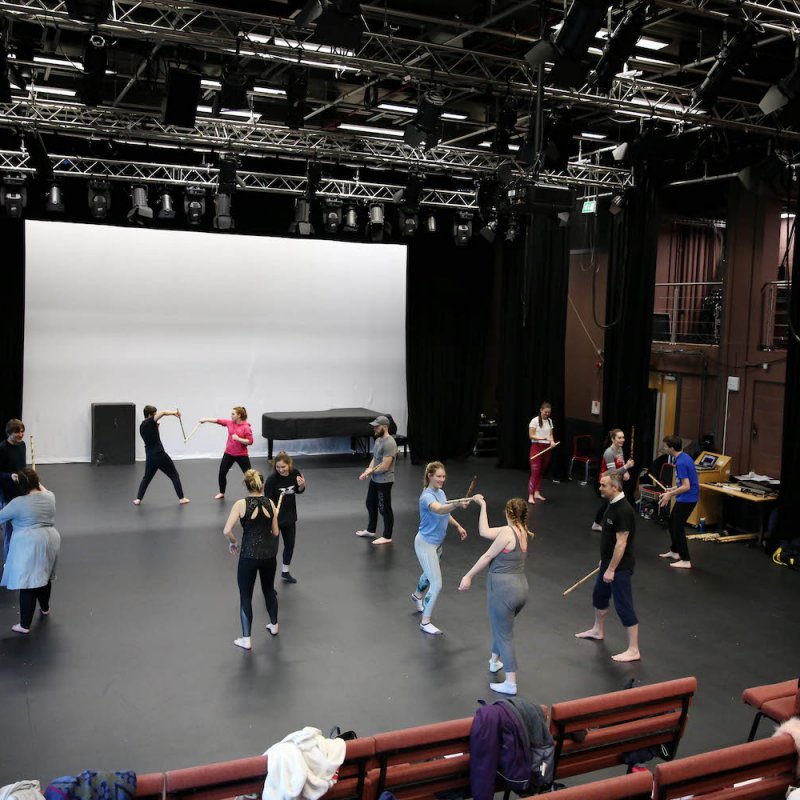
(434, 516)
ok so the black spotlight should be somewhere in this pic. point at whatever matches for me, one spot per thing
(296, 92)
(194, 204)
(235, 85)
(166, 205)
(37, 155)
(13, 196)
(95, 59)
(731, 58)
(99, 198)
(350, 224)
(408, 220)
(426, 127)
(140, 212)
(780, 94)
(489, 230)
(617, 204)
(462, 228)
(302, 218)
(376, 226)
(331, 215)
(223, 215)
(54, 199)
(408, 197)
(228, 166)
(506, 125)
(619, 46)
(95, 11)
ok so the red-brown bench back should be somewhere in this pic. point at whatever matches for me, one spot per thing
(217, 781)
(595, 732)
(634, 786)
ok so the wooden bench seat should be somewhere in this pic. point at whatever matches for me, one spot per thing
(776, 701)
(633, 786)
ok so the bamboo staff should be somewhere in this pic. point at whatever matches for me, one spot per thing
(180, 421)
(472, 486)
(33, 454)
(546, 450)
(582, 580)
(186, 438)
(655, 481)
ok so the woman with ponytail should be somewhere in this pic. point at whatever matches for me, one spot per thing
(506, 584)
(257, 553)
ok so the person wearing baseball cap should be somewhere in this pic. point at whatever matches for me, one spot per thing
(381, 479)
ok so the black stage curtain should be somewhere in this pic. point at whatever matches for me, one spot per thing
(12, 318)
(448, 300)
(629, 315)
(533, 327)
(790, 449)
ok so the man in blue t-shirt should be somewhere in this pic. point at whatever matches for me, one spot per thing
(686, 493)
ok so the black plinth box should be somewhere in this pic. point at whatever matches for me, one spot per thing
(113, 433)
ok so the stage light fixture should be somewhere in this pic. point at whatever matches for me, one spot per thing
(559, 141)
(54, 199)
(339, 25)
(302, 218)
(37, 155)
(313, 178)
(506, 125)
(166, 205)
(426, 127)
(13, 195)
(430, 224)
(621, 151)
(309, 13)
(779, 94)
(489, 230)
(563, 219)
(350, 219)
(512, 230)
(408, 220)
(376, 224)
(235, 83)
(194, 204)
(228, 165)
(99, 198)
(731, 58)
(95, 60)
(223, 215)
(462, 228)
(140, 212)
(331, 215)
(296, 92)
(617, 204)
(408, 197)
(619, 47)
(94, 11)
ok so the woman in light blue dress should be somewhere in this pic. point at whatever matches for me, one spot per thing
(33, 554)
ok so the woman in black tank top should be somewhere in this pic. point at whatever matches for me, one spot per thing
(257, 553)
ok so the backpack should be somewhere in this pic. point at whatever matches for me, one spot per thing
(538, 745)
(788, 554)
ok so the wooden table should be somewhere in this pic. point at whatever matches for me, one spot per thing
(714, 494)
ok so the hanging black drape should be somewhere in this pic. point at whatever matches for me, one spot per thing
(629, 315)
(534, 319)
(448, 299)
(12, 318)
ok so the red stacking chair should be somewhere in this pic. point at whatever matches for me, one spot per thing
(583, 452)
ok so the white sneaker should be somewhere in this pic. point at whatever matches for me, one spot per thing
(596, 526)
(243, 642)
(506, 687)
(366, 533)
(418, 602)
(495, 666)
(430, 628)
(670, 554)
(273, 629)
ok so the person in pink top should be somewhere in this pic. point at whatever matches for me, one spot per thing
(240, 437)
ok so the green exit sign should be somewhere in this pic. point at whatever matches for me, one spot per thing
(589, 207)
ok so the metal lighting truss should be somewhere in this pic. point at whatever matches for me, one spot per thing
(277, 40)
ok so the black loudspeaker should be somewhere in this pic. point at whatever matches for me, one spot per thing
(661, 328)
(183, 95)
(113, 433)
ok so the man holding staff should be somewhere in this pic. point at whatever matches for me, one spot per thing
(155, 457)
(616, 568)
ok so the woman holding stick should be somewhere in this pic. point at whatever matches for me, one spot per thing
(506, 584)
(240, 437)
(285, 482)
(540, 432)
(434, 517)
(257, 553)
(613, 462)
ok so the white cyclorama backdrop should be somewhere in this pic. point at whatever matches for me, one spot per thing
(205, 322)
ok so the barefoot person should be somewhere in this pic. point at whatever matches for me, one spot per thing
(13, 458)
(613, 461)
(34, 549)
(381, 479)
(506, 584)
(240, 437)
(540, 431)
(434, 517)
(616, 568)
(686, 493)
(288, 481)
(155, 457)
(257, 554)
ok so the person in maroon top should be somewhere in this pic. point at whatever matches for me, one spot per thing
(240, 437)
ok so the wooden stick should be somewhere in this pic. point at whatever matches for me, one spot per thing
(737, 537)
(472, 486)
(186, 439)
(582, 580)
(655, 481)
(180, 420)
(33, 453)
(280, 500)
(547, 449)
(461, 500)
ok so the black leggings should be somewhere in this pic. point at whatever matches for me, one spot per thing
(379, 498)
(288, 532)
(246, 577)
(225, 466)
(153, 463)
(27, 603)
(677, 529)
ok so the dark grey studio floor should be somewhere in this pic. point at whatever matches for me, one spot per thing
(136, 667)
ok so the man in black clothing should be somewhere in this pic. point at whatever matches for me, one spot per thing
(616, 568)
(13, 456)
(155, 456)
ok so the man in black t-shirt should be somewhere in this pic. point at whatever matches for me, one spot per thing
(616, 568)
(13, 458)
(155, 458)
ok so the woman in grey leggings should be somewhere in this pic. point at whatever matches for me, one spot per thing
(506, 584)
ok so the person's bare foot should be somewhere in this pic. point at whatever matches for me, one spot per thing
(531, 500)
(671, 554)
(219, 496)
(628, 655)
(363, 534)
(592, 633)
(184, 500)
(681, 564)
(137, 502)
(537, 496)
(19, 629)
(381, 540)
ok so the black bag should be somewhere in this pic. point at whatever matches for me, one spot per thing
(336, 733)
